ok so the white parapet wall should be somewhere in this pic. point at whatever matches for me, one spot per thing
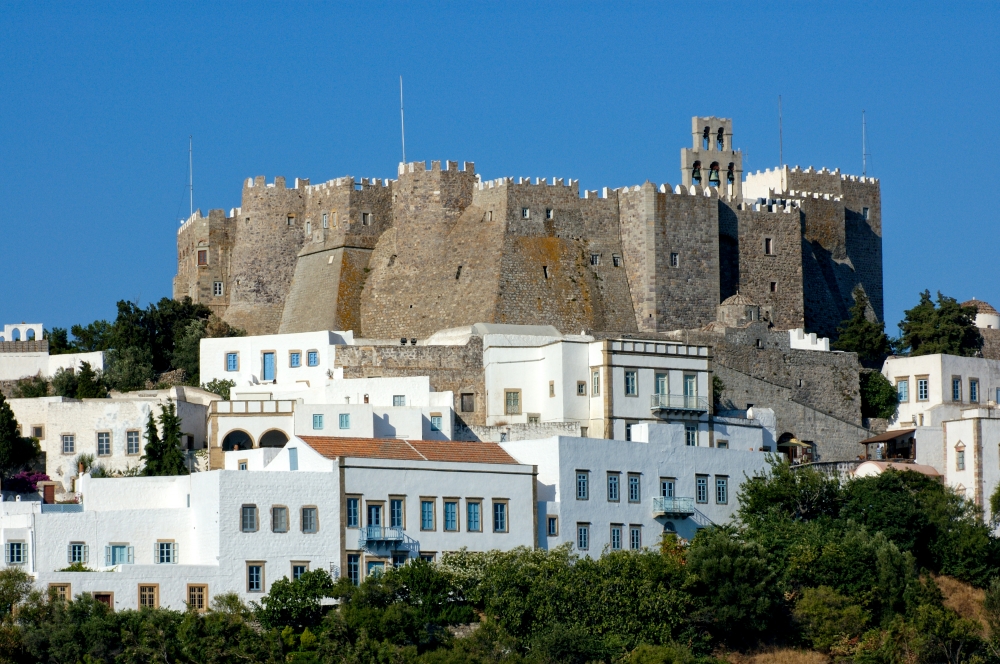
(799, 340)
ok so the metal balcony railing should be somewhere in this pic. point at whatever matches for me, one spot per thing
(373, 534)
(678, 508)
(61, 508)
(678, 402)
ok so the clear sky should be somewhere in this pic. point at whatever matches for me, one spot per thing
(97, 103)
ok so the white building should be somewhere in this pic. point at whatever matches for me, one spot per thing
(23, 353)
(112, 429)
(936, 388)
(350, 506)
(294, 361)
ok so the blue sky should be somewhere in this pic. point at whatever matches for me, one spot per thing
(97, 103)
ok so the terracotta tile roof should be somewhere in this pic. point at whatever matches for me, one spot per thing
(409, 450)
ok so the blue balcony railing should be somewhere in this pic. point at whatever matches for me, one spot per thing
(678, 402)
(373, 534)
(63, 508)
(676, 508)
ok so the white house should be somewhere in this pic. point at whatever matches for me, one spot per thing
(23, 353)
(295, 361)
(936, 388)
(349, 506)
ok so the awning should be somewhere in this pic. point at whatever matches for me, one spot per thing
(888, 435)
(794, 442)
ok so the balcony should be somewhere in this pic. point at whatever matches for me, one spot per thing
(376, 535)
(673, 508)
(61, 508)
(678, 403)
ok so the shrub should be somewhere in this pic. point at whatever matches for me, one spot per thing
(26, 481)
(826, 617)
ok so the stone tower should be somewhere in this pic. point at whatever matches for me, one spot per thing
(711, 160)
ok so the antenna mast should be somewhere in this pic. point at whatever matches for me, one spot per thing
(402, 124)
(191, 174)
(864, 145)
(781, 150)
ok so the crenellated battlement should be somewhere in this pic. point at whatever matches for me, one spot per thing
(421, 167)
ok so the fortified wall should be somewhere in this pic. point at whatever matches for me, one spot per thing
(440, 247)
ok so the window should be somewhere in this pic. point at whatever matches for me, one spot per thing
(450, 515)
(396, 513)
(633, 488)
(131, 442)
(721, 490)
(582, 485)
(583, 536)
(279, 519)
(616, 537)
(675, 260)
(366, 218)
(595, 259)
(545, 271)
(354, 568)
(202, 257)
(149, 596)
(631, 384)
(242, 465)
(310, 519)
(581, 388)
(68, 443)
(774, 286)
(613, 487)
(317, 422)
(436, 422)
(326, 220)
(525, 213)
(107, 599)
(399, 400)
(701, 488)
(426, 515)
(661, 383)
(295, 359)
(973, 390)
(61, 591)
(232, 361)
(103, 443)
(196, 596)
(38, 432)
(922, 391)
(345, 420)
(289, 220)
(468, 402)
(956, 389)
(248, 518)
(352, 512)
(165, 553)
(960, 460)
(217, 289)
(549, 213)
(768, 246)
(267, 368)
(864, 213)
(552, 388)
(595, 384)
(534, 418)
(512, 402)
(628, 431)
(635, 537)
(722, 444)
(666, 487)
(616, 260)
(17, 553)
(298, 569)
(552, 526)
(78, 552)
(499, 516)
(473, 511)
(312, 358)
(903, 390)
(118, 554)
(255, 577)
(691, 435)
(374, 514)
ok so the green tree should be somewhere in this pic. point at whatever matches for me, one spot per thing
(58, 341)
(947, 328)
(64, 383)
(863, 333)
(187, 344)
(220, 387)
(296, 603)
(129, 369)
(826, 617)
(16, 451)
(89, 383)
(93, 337)
(878, 396)
(163, 454)
(31, 387)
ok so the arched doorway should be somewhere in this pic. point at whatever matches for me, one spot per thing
(795, 450)
(237, 440)
(273, 438)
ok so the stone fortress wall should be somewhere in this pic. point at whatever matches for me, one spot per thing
(439, 247)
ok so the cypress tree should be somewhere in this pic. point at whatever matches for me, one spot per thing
(152, 454)
(163, 454)
(861, 335)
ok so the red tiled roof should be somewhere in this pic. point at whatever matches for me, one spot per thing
(409, 450)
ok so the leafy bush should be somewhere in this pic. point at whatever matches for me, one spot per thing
(31, 387)
(827, 617)
(878, 396)
(220, 387)
(26, 481)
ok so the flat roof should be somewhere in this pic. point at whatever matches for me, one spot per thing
(409, 450)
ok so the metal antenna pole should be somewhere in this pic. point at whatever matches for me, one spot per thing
(781, 147)
(864, 145)
(402, 124)
(191, 174)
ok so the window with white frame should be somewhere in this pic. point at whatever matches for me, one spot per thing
(922, 390)
(399, 400)
(595, 384)
(667, 487)
(903, 390)
(525, 213)
(582, 485)
(631, 384)
(118, 554)
(68, 443)
(165, 553)
(217, 289)
(512, 402)
(78, 552)
(104, 443)
(721, 490)
(436, 422)
(583, 536)
(131, 442)
(17, 553)
(691, 435)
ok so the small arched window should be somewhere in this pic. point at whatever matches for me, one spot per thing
(15, 335)
(696, 172)
(720, 139)
(30, 336)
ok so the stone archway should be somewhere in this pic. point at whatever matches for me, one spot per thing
(273, 438)
(237, 440)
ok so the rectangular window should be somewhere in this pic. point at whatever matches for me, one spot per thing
(631, 384)
(310, 519)
(450, 515)
(552, 388)
(38, 432)
(583, 536)
(774, 286)
(345, 420)
(675, 260)
(864, 213)
(691, 435)
(595, 384)
(534, 418)
(426, 515)
(499, 516)
(118, 554)
(512, 402)
(468, 402)
(701, 488)
(635, 537)
(628, 431)
(960, 460)
(202, 257)
(721, 490)
(352, 512)
(903, 390)
(295, 359)
(581, 388)
(613, 481)
(62, 591)
(131, 442)
(582, 485)
(317, 422)
(298, 569)
(552, 526)
(616, 537)
(68, 443)
(217, 289)
(242, 464)
(103, 443)
(973, 390)
(633, 488)
(595, 259)
(196, 596)
(768, 246)
(255, 577)
(525, 213)
(289, 220)
(326, 220)
(366, 218)
(78, 553)
(149, 596)
(722, 444)
(248, 518)
(436, 422)
(232, 361)
(267, 372)
(354, 568)
(473, 512)
(312, 357)
(166, 553)
(666, 487)
(17, 553)
(922, 391)
(616, 260)
(549, 213)
(956, 389)
(399, 400)
(279, 519)
(396, 513)
(661, 383)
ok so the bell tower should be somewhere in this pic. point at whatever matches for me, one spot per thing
(711, 160)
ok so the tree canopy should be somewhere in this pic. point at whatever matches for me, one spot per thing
(163, 454)
(16, 451)
(947, 328)
(863, 333)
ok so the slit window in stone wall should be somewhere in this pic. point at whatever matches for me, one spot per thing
(774, 286)
(549, 213)
(309, 228)
(616, 260)
(595, 259)
(864, 213)
(545, 271)
(458, 273)
(675, 260)
(326, 220)
(768, 246)
(366, 218)
(525, 213)
(290, 219)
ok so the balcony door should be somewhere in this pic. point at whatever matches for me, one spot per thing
(690, 390)
(374, 515)
(268, 373)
